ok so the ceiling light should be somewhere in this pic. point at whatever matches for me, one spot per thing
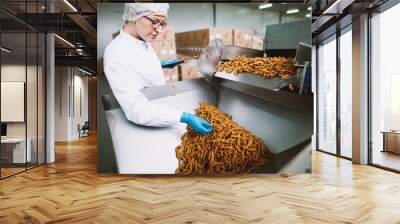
(70, 5)
(5, 50)
(65, 41)
(291, 11)
(308, 15)
(79, 50)
(309, 8)
(264, 6)
(84, 71)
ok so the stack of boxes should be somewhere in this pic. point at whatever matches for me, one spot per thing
(164, 46)
(258, 42)
(243, 37)
(247, 38)
(194, 42)
(188, 70)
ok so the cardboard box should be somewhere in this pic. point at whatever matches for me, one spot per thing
(171, 74)
(188, 70)
(224, 34)
(194, 42)
(183, 56)
(243, 37)
(258, 42)
(167, 34)
(164, 44)
(164, 49)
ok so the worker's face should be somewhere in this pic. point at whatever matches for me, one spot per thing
(150, 26)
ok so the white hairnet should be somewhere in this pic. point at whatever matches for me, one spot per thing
(134, 11)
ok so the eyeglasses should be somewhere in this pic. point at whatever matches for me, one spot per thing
(156, 23)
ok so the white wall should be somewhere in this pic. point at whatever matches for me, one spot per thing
(33, 126)
(233, 16)
(12, 73)
(15, 72)
(292, 18)
(70, 83)
(83, 83)
(80, 102)
(61, 103)
(110, 14)
(188, 16)
(268, 19)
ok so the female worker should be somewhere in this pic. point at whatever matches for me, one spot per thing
(130, 64)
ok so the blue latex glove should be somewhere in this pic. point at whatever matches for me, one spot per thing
(169, 63)
(198, 124)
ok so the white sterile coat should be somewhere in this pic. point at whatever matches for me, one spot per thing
(131, 65)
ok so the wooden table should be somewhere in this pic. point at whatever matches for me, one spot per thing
(391, 141)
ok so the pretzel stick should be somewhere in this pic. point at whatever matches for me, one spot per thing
(268, 67)
(229, 148)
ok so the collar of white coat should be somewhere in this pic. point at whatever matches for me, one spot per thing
(133, 39)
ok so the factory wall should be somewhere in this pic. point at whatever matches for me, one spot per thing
(202, 16)
(226, 16)
(236, 17)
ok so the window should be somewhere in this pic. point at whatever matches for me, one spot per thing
(385, 89)
(346, 93)
(23, 79)
(327, 96)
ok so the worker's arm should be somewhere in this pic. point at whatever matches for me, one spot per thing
(126, 86)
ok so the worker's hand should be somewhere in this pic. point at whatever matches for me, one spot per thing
(169, 63)
(198, 124)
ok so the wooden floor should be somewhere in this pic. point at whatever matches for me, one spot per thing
(8, 171)
(70, 191)
(5, 172)
(387, 159)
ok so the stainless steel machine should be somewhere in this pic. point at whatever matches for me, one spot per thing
(282, 119)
